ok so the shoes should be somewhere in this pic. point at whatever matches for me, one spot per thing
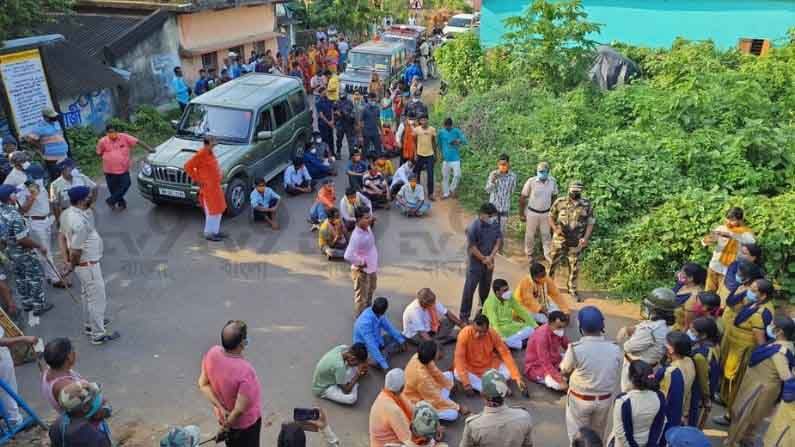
(60, 285)
(213, 237)
(723, 421)
(315, 227)
(39, 311)
(87, 328)
(102, 339)
(222, 235)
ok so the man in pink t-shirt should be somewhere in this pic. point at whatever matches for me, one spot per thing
(115, 148)
(230, 383)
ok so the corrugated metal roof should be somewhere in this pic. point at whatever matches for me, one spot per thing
(250, 91)
(73, 72)
(92, 32)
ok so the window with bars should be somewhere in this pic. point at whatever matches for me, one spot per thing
(210, 60)
(259, 47)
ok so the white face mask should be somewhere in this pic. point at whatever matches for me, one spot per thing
(314, 151)
(507, 295)
(692, 334)
(318, 140)
(75, 172)
(26, 165)
(492, 220)
(559, 332)
(770, 332)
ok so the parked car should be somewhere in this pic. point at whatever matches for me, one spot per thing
(261, 122)
(461, 23)
(388, 59)
(409, 35)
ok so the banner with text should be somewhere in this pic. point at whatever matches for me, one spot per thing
(26, 88)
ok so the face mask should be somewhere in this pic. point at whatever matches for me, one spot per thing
(75, 172)
(575, 195)
(559, 332)
(739, 278)
(318, 140)
(692, 334)
(542, 175)
(492, 220)
(507, 295)
(313, 151)
(415, 100)
(751, 296)
(26, 165)
(771, 332)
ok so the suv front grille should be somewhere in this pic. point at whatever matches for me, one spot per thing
(361, 88)
(171, 175)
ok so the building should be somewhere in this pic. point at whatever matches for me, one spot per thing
(145, 40)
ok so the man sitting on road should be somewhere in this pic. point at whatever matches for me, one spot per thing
(264, 203)
(369, 329)
(401, 177)
(507, 316)
(390, 415)
(349, 203)
(539, 294)
(376, 188)
(332, 238)
(544, 352)
(326, 199)
(316, 161)
(426, 319)
(411, 199)
(338, 372)
(480, 348)
(425, 382)
(297, 179)
(356, 169)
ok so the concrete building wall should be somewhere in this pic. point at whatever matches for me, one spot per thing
(151, 65)
(93, 109)
(208, 28)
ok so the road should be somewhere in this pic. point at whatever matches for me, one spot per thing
(170, 292)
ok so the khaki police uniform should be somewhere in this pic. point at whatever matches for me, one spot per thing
(501, 426)
(594, 365)
(647, 343)
(573, 217)
(81, 234)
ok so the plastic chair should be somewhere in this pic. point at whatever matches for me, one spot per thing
(6, 431)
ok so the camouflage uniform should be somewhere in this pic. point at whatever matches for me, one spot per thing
(28, 274)
(573, 217)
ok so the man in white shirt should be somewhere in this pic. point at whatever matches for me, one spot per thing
(401, 177)
(425, 319)
(20, 161)
(411, 199)
(34, 204)
(538, 194)
(349, 202)
(297, 179)
(59, 188)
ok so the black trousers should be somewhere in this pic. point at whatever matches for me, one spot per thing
(478, 277)
(118, 184)
(372, 144)
(427, 164)
(345, 132)
(245, 437)
(327, 134)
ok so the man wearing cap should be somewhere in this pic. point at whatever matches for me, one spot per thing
(180, 89)
(572, 220)
(83, 423)
(21, 249)
(85, 252)
(538, 194)
(116, 149)
(50, 137)
(592, 365)
(498, 425)
(204, 170)
(20, 161)
(646, 340)
(69, 176)
(391, 414)
(35, 205)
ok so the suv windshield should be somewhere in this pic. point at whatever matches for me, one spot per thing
(230, 125)
(378, 62)
(460, 22)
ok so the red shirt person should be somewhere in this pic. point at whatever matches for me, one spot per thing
(204, 170)
(116, 150)
(545, 350)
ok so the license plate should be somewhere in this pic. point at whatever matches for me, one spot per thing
(171, 193)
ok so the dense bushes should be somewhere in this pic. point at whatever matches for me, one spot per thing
(662, 158)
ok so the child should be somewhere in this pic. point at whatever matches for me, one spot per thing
(387, 114)
(389, 141)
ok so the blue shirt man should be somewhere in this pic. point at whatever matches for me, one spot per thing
(297, 176)
(325, 107)
(450, 141)
(369, 328)
(265, 199)
(180, 88)
(203, 84)
(412, 71)
(50, 135)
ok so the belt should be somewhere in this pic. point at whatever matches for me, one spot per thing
(39, 217)
(589, 398)
(87, 263)
(538, 211)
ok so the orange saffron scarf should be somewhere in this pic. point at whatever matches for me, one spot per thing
(729, 253)
(435, 323)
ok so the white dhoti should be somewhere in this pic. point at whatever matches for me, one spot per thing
(515, 340)
(477, 384)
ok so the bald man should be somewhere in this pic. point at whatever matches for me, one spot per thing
(230, 383)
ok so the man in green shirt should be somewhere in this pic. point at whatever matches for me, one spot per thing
(507, 316)
(338, 372)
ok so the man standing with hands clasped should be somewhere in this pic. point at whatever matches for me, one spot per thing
(484, 239)
(572, 221)
(538, 194)
(363, 256)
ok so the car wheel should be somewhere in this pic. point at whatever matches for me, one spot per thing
(236, 194)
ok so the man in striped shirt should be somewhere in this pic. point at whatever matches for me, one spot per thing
(500, 185)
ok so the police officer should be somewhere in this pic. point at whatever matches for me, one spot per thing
(592, 364)
(572, 221)
(646, 340)
(21, 249)
(85, 251)
(34, 204)
(346, 123)
(498, 425)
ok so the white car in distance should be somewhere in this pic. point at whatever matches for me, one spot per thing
(460, 23)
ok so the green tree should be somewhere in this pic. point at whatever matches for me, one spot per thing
(349, 16)
(550, 44)
(19, 18)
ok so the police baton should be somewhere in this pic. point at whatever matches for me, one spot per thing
(60, 278)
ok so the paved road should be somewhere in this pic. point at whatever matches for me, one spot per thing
(170, 292)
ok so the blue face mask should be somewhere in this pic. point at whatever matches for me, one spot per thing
(542, 175)
(739, 278)
(750, 296)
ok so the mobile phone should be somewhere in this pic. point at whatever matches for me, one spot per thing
(306, 414)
